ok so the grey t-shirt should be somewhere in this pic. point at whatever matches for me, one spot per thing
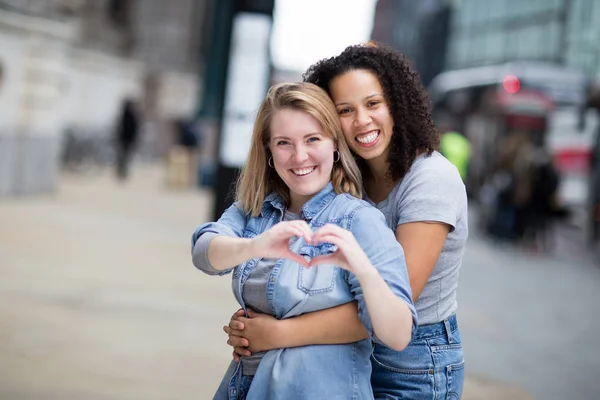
(433, 191)
(254, 291)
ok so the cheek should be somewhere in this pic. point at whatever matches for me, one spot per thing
(279, 159)
(347, 130)
(386, 118)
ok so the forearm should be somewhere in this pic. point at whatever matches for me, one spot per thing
(226, 252)
(390, 316)
(337, 325)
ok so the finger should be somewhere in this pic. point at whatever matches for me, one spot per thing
(330, 238)
(242, 351)
(238, 313)
(235, 341)
(307, 232)
(294, 231)
(237, 325)
(236, 357)
(233, 332)
(337, 231)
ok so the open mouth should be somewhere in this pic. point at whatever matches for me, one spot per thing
(303, 171)
(368, 138)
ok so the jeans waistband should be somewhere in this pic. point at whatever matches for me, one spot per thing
(445, 327)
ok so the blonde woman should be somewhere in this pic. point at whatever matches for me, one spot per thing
(299, 239)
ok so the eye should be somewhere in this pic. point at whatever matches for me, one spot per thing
(344, 111)
(313, 139)
(282, 142)
(373, 103)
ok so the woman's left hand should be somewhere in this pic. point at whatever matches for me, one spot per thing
(349, 255)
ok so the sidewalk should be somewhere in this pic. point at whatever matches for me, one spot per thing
(98, 298)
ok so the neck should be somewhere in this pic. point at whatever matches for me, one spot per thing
(378, 169)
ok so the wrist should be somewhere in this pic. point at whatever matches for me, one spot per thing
(249, 249)
(281, 332)
(366, 273)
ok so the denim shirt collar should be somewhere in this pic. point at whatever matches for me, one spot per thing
(309, 209)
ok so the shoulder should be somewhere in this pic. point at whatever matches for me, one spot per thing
(359, 211)
(346, 206)
(349, 204)
(435, 165)
(433, 174)
(431, 191)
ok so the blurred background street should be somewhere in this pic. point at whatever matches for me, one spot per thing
(123, 124)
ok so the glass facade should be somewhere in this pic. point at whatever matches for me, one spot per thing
(490, 32)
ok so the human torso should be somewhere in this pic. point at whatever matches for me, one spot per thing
(254, 294)
(292, 290)
(432, 190)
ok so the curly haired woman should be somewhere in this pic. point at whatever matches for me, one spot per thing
(386, 121)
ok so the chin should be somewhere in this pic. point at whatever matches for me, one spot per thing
(369, 155)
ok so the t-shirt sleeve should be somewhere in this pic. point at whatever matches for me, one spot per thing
(431, 193)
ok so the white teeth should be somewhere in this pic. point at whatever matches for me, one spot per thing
(370, 138)
(303, 171)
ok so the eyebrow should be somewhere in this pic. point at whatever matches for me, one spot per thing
(366, 98)
(303, 137)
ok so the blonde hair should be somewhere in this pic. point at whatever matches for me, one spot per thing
(257, 179)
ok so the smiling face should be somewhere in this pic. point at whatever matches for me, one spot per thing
(302, 154)
(364, 114)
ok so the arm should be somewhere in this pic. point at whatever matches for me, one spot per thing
(260, 332)
(376, 274)
(220, 246)
(229, 228)
(226, 252)
(422, 243)
(337, 325)
(428, 209)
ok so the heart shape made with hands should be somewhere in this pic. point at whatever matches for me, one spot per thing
(315, 240)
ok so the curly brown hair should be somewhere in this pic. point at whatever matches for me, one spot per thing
(407, 99)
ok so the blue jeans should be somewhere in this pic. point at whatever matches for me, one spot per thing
(430, 368)
(235, 386)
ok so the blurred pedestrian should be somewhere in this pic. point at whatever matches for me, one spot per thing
(127, 136)
(385, 117)
(527, 203)
(455, 147)
(182, 167)
(300, 239)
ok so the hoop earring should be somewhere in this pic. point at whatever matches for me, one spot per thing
(270, 162)
(336, 153)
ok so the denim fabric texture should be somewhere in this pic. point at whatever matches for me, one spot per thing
(319, 371)
(430, 368)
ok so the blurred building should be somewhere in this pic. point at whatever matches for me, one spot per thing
(419, 29)
(69, 64)
(561, 31)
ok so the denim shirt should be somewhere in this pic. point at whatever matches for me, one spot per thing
(340, 371)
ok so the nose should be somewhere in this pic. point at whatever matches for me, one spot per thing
(300, 153)
(362, 117)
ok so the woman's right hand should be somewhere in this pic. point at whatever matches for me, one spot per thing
(257, 332)
(274, 243)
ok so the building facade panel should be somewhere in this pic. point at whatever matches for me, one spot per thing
(562, 31)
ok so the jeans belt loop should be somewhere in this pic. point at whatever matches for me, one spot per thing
(448, 330)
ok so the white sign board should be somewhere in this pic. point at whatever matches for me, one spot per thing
(247, 83)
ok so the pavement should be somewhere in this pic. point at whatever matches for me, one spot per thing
(99, 300)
